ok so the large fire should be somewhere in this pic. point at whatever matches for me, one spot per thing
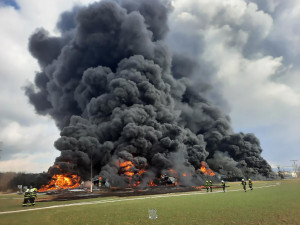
(61, 181)
(204, 169)
(134, 175)
(169, 178)
(128, 169)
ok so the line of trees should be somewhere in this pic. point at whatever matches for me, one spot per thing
(9, 181)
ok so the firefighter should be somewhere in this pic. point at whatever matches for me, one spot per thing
(33, 195)
(223, 185)
(250, 184)
(210, 185)
(207, 186)
(26, 198)
(244, 183)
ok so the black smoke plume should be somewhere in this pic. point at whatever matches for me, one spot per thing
(117, 94)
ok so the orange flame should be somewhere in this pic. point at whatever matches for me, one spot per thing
(126, 168)
(142, 171)
(126, 165)
(204, 169)
(198, 188)
(172, 171)
(184, 174)
(137, 184)
(129, 174)
(152, 184)
(61, 181)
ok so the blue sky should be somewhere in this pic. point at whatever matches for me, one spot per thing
(10, 3)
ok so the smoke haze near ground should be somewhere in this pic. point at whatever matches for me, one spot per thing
(118, 92)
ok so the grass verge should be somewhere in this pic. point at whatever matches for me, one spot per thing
(272, 205)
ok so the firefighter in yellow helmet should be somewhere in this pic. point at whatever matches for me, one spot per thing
(33, 195)
(210, 185)
(26, 197)
(207, 186)
(250, 184)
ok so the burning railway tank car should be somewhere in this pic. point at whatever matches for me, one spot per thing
(123, 107)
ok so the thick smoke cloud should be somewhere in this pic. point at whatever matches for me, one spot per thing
(117, 94)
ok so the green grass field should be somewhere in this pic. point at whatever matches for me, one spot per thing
(271, 205)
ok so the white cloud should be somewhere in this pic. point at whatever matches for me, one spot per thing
(31, 139)
(28, 163)
(230, 36)
(27, 138)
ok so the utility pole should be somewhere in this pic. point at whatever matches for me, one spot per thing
(294, 165)
(1, 147)
(91, 173)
